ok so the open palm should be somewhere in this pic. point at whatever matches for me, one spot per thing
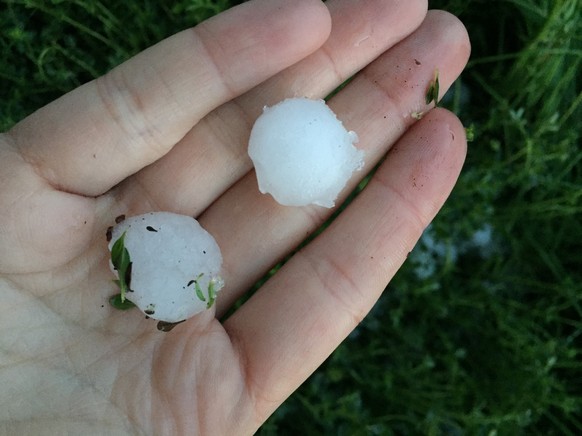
(168, 130)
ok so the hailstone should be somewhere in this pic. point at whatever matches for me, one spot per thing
(302, 153)
(174, 264)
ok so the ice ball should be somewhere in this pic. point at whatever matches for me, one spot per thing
(175, 265)
(302, 153)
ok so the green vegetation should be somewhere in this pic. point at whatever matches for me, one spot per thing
(481, 331)
(122, 264)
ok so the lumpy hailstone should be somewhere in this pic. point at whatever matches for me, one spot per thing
(302, 153)
(170, 253)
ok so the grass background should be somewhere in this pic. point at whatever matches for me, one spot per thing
(480, 332)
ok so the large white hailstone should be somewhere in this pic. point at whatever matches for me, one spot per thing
(175, 265)
(302, 153)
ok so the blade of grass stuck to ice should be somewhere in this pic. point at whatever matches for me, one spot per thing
(116, 302)
(211, 293)
(122, 264)
(199, 292)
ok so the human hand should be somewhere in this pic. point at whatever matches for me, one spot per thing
(168, 130)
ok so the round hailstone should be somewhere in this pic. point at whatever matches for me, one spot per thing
(302, 153)
(175, 265)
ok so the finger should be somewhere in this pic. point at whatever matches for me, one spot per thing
(213, 155)
(378, 105)
(95, 136)
(302, 314)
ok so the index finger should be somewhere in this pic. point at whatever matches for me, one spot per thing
(92, 138)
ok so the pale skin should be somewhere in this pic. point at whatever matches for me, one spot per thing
(168, 130)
